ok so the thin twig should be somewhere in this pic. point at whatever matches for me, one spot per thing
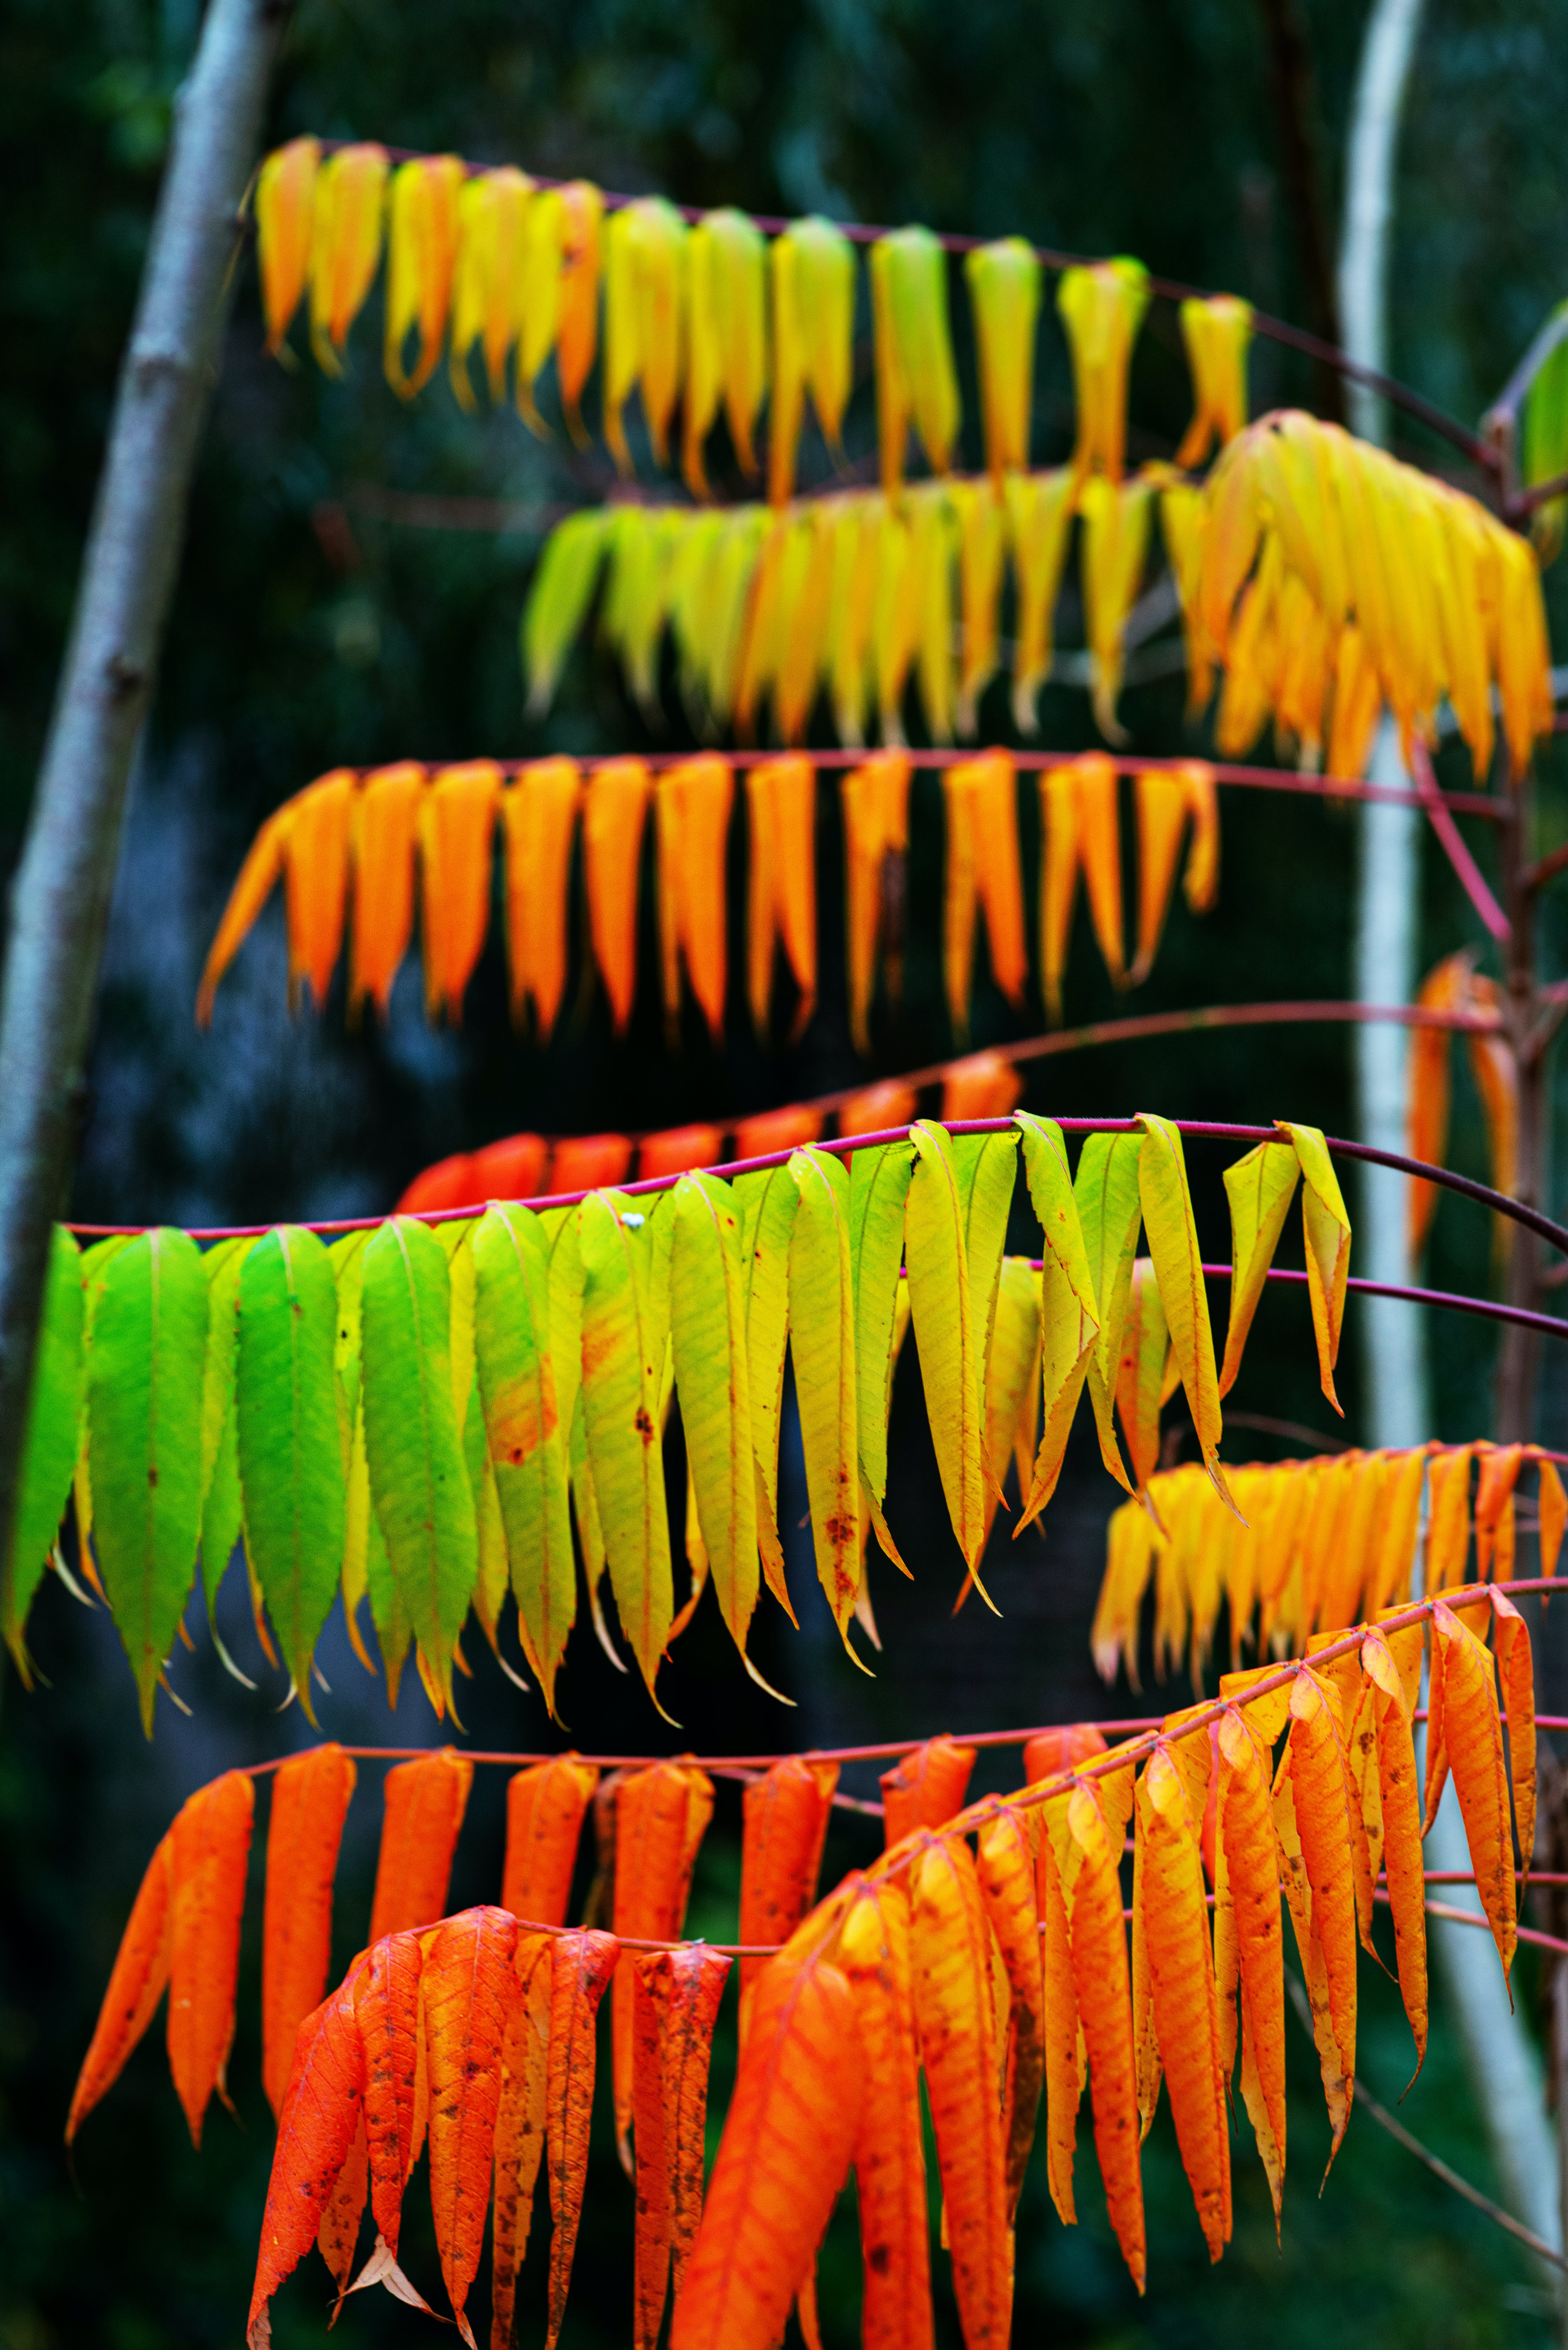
(1434, 2162)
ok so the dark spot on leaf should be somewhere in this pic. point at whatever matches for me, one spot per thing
(153, 1474)
(879, 2258)
(644, 1425)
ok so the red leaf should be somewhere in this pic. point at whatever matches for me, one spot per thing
(309, 1800)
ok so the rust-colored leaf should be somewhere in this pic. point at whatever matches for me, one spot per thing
(1337, 2074)
(316, 2133)
(309, 1801)
(660, 1818)
(1402, 1856)
(1006, 1872)
(926, 1789)
(387, 2010)
(581, 1965)
(786, 1815)
(544, 1809)
(520, 2125)
(951, 1954)
(1050, 1751)
(791, 2125)
(468, 1992)
(211, 1845)
(337, 2238)
(1064, 2074)
(1176, 1932)
(1102, 1990)
(889, 2147)
(423, 1806)
(676, 2001)
(136, 1984)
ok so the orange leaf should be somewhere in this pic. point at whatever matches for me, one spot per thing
(789, 788)
(1402, 1856)
(1099, 851)
(1472, 1736)
(678, 1148)
(786, 1815)
(456, 831)
(660, 1815)
(1200, 881)
(468, 1992)
(381, 853)
(875, 800)
(423, 1804)
(1552, 1509)
(678, 1993)
(1429, 1084)
(926, 1789)
(316, 882)
(1251, 1865)
(693, 804)
(211, 1845)
(316, 2133)
(387, 2010)
(877, 1108)
(309, 1803)
(793, 2122)
(1162, 810)
(581, 1965)
(1100, 1986)
(258, 876)
(1500, 1467)
(1336, 2073)
(1050, 1751)
(1181, 1978)
(520, 2125)
(889, 2147)
(1448, 1520)
(285, 188)
(1064, 2074)
(544, 1808)
(614, 811)
(588, 1162)
(650, 1990)
(1006, 1872)
(538, 817)
(337, 2238)
(1059, 825)
(951, 1954)
(136, 1984)
(983, 1086)
(1321, 1790)
(1511, 1635)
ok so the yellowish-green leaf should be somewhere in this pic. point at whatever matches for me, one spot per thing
(96, 1262)
(413, 1446)
(1014, 1346)
(1051, 1191)
(562, 589)
(822, 1345)
(1105, 1188)
(525, 1443)
(623, 1369)
(394, 1632)
(1068, 1332)
(1260, 1189)
(708, 1326)
(878, 1190)
(987, 1167)
(766, 1203)
(290, 1456)
(1327, 1246)
(945, 1333)
(1179, 1269)
(143, 1418)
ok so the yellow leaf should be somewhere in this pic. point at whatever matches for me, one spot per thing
(1178, 1268)
(1106, 1191)
(1327, 1246)
(1260, 1189)
(947, 1331)
(623, 1369)
(707, 1334)
(822, 1343)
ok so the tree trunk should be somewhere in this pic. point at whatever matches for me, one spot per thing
(61, 892)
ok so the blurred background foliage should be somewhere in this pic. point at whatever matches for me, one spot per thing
(310, 629)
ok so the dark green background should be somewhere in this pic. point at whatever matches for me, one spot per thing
(307, 633)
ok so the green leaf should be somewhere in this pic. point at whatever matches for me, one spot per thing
(766, 1203)
(51, 1437)
(1067, 1337)
(708, 1330)
(96, 1262)
(879, 1192)
(1051, 1191)
(418, 1485)
(526, 1445)
(143, 1412)
(822, 1344)
(222, 1510)
(290, 1452)
(945, 1333)
(563, 589)
(1109, 1213)
(623, 1371)
(1014, 1357)
(1260, 1189)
